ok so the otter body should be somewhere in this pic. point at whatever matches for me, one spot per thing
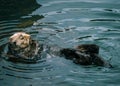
(22, 48)
(84, 58)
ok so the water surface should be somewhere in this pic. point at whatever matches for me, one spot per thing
(66, 24)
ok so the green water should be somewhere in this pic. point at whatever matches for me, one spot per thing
(66, 24)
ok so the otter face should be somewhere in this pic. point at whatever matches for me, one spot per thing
(20, 39)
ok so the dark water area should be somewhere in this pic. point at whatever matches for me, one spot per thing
(65, 24)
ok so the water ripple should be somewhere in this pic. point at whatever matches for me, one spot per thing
(65, 24)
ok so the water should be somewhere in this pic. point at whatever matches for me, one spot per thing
(66, 24)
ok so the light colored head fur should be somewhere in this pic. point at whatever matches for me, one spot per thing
(20, 39)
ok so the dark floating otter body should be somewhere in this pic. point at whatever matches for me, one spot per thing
(85, 54)
(84, 58)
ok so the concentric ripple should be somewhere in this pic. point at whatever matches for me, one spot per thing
(65, 24)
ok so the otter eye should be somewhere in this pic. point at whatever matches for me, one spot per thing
(21, 37)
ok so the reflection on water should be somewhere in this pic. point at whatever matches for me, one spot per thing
(66, 24)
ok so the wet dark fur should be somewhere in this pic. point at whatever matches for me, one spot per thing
(85, 54)
(30, 54)
(84, 58)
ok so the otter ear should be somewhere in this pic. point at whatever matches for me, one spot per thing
(27, 36)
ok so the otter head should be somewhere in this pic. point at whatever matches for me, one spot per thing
(20, 40)
(21, 46)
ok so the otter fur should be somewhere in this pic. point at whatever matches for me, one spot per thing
(21, 47)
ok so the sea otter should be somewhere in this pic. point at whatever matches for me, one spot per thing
(22, 48)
